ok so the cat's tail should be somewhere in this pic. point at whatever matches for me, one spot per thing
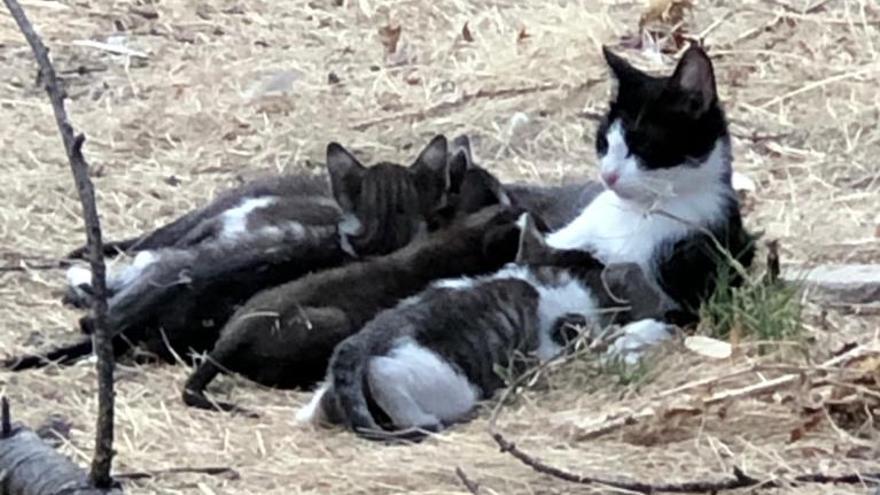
(347, 379)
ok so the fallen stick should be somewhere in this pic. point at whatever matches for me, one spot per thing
(464, 100)
(739, 479)
(73, 143)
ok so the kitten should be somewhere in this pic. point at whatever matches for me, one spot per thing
(666, 164)
(376, 210)
(283, 337)
(175, 300)
(427, 362)
(555, 205)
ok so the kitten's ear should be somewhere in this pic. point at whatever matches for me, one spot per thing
(531, 241)
(460, 161)
(623, 70)
(433, 160)
(346, 174)
(480, 189)
(695, 78)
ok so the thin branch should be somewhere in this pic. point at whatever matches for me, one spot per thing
(471, 485)
(101, 463)
(464, 100)
(739, 479)
(210, 471)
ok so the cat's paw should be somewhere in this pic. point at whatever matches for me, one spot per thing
(638, 337)
(79, 292)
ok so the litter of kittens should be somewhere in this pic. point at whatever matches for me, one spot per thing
(805, 137)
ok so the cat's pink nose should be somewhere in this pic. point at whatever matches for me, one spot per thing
(610, 178)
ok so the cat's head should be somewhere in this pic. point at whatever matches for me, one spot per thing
(386, 206)
(663, 136)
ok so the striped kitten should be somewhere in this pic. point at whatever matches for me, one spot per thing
(427, 362)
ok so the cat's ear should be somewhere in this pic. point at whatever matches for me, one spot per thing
(346, 174)
(480, 189)
(694, 78)
(532, 245)
(432, 162)
(623, 70)
(460, 161)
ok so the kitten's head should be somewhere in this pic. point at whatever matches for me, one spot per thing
(387, 205)
(533, 249)
(663, 136)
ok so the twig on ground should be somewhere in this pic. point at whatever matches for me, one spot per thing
(101, 463)
(471, 485)
(739, 479)
(464, 100)
(24, 266)
(211, 471)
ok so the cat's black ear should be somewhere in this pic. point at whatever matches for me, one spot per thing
(480, 189)
(532, 246)
(461, 159)
(433, 160)
(623, 70)
(694, 78)
(346, 174)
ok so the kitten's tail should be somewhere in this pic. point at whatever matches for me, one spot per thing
(348, 375)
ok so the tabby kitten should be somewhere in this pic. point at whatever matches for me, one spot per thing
(427, 362)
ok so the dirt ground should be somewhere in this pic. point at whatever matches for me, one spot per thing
(211, 93)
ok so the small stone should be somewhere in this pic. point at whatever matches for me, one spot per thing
(847, 284)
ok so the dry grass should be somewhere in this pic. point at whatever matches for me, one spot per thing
(800, 85)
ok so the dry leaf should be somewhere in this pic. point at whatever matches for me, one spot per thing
(523, 35)
(807, 426)
(708, 347)
(390, 36)
(466, 33)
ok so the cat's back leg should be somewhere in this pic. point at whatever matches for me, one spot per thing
(416, 388)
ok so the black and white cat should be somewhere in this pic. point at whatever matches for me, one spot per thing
(666, 163)
(175, 299)
(427, 362)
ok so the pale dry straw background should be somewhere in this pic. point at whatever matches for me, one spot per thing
(233, 88)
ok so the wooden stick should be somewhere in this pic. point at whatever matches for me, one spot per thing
(101, 463)
(471, 485)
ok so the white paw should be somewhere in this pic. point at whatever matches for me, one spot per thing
(637, 338)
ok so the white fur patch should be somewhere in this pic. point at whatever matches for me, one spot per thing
(235, 219)
(638, 337)
(311, 413)
(417, 388)
(569, 296)
(120, 274)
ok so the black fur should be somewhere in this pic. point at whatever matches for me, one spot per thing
(178, 305)
(283, 337)
(667, 120)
